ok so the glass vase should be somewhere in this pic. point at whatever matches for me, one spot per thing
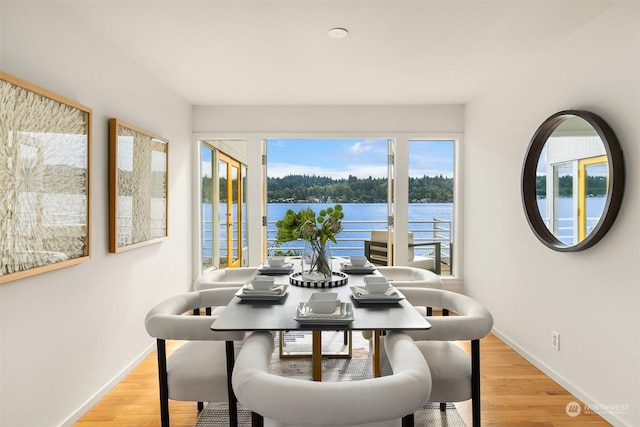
(316, 261)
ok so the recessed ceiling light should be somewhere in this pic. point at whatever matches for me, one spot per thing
(338, 33)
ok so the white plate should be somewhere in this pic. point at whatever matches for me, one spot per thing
(284, 266)
(361, 294)
(276, 271)
(342, 315)
(248, 293)
(346, 267)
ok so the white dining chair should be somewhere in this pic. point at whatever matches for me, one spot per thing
(281, 401)
(410, 277)
(197, 370)
(402, 276)
(455, 374)
(223, 278)
(414, 277)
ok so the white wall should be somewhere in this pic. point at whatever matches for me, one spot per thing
(68, 333)
(324, 119)
(591, 298)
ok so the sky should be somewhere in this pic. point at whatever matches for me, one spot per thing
(362, 158)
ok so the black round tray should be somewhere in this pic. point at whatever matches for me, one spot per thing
(337, 279)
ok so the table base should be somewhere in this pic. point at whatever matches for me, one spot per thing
(331, 354)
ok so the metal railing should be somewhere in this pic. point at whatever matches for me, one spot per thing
(565, 228)
(350, 241)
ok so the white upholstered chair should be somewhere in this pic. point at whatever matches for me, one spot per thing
(455, 374)
(410, 277)
(413, 277)
(197, 370)
(223, 278)
(282, 401)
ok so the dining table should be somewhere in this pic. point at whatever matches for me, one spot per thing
(285, 312)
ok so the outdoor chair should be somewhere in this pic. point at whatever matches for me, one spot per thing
(378, 253)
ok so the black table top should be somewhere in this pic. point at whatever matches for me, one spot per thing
(243, 315)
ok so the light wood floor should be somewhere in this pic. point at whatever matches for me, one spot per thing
(514, 394)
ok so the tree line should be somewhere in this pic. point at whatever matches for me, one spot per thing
(322, 189)
(355, 190)
(427, 189)
(596, 186)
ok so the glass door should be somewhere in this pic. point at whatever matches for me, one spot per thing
(390, 199)
(593, 173)
(563, 211)
(208, 206)
(230, 214)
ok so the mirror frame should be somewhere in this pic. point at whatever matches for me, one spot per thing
(615, 187)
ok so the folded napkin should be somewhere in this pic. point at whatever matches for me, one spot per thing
(285, 266)
(337, 314)
(275, 290)
(348, 266)
(364, 293)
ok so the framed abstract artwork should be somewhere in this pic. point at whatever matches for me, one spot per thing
(44, 180)
(138, 166)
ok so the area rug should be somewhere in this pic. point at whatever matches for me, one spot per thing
(217, 415)
(358, 367)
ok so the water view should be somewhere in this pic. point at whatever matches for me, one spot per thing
(359, 220)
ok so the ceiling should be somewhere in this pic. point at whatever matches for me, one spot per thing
(267, 52)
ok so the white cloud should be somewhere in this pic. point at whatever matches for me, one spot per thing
(359, 147)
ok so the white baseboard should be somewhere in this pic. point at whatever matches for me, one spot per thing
(76, 415)
(563, 382)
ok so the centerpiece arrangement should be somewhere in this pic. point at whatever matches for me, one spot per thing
(316, 231)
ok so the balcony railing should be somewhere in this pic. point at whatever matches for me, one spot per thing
(350, 241)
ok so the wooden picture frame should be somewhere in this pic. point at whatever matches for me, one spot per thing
(138, 195)
(45, 146)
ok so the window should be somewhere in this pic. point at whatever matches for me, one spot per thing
(431, 202)
(322, 172)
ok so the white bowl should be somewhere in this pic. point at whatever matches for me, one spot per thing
(262, 283)
(276, 261)
(323, 302)
(358, 261)
(376, 284)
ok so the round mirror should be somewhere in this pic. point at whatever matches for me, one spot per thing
(572, 180)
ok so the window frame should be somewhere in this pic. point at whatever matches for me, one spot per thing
(255, 187)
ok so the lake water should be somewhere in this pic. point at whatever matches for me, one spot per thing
(359, 220)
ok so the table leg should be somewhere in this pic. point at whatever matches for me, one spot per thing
(233, 407)
(316, 356)
(376, 353)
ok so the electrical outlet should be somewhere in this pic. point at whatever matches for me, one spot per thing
(555, 340)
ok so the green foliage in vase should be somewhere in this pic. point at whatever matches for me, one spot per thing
(306, 225)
